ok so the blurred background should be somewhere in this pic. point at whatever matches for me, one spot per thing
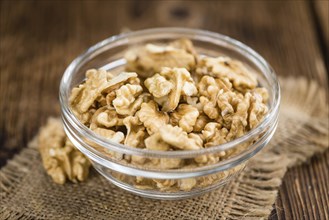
(38, 39)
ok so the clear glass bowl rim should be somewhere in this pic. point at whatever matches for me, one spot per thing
(64, 92)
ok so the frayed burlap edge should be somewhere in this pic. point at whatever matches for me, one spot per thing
(302, 132)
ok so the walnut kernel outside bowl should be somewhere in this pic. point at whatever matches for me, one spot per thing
(153, 182)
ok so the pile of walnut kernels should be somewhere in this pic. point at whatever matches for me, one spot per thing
(171, 98)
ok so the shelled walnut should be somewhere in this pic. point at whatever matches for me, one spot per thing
(172, 99)
(149, 59)
(60, 158)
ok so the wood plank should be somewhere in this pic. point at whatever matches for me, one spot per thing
(322, 13)
(304, 193)
(38, 39)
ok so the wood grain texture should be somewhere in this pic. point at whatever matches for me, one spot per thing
(38, 39)
(304, 193)
(322, 12)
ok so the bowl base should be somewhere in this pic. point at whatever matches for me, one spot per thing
(153, 194)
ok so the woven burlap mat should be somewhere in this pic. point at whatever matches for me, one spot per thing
(28, 193)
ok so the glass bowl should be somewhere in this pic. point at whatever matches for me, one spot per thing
(112, 160)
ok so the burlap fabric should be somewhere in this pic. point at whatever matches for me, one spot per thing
(28, 193)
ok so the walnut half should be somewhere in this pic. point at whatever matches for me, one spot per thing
(60, 158)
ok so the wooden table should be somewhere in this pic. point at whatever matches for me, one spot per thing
(40, 38)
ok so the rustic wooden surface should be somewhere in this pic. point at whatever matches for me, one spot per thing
(322, 14)
(38, 39)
